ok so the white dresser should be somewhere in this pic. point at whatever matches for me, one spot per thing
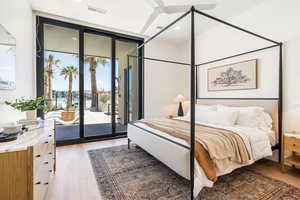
(28, 164)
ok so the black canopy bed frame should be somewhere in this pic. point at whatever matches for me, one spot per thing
(194, 95)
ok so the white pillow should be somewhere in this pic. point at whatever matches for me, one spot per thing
(247, 116)
(200, 107)
(251, 117)
(223, 118)
(246, 108)
(266, 122)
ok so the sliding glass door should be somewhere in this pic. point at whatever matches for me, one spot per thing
(90, 88)
(97, 85)
(61, 79)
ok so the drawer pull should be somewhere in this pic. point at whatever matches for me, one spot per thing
(50, 153)
(38, 183)
(50, 135)
(37, 156)
(46, 142)
(50, 170)
(46, 163)
(294, 145)
(46, 183)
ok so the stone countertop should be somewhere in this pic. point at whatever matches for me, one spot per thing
(29, 138)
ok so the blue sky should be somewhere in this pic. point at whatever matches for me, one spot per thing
(103, 73)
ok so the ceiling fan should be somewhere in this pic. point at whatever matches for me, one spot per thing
(159, 7)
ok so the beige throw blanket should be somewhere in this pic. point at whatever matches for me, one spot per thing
(216, 149)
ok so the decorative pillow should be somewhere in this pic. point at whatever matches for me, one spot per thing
(200, 107)
(266, 122)
(223, 118)
(247, 116)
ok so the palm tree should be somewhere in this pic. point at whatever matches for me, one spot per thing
(50, 63)
(69, 72)
(45, 82)
(94, 63)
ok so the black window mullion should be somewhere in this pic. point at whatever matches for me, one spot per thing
(81, 83)
(40, 62)
(113, 85)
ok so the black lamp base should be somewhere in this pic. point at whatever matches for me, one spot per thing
(180, 110)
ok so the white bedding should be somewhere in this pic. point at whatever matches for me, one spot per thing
(257, 141)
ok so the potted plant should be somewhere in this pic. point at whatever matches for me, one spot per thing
(69, 113)
(28, 106)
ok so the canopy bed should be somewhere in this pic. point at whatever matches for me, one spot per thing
(182, 152)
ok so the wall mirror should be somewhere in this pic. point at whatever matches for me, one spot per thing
(7, 60)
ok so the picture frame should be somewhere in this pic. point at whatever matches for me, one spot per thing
(234, 76)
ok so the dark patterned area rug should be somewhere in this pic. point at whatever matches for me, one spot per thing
(133, 174)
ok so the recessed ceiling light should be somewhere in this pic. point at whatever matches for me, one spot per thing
(177, 28)
(74, 38)
(79, 1)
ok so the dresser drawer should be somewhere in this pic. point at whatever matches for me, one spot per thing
(41, 178)
(41, 170)
(41, 147)
(292, 144)
(40, 189)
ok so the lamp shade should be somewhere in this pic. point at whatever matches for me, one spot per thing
(179, 98)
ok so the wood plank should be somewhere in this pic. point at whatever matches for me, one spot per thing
(75, 178)
(30, 172)
(13, 173)
(293, 160)
(292, 144)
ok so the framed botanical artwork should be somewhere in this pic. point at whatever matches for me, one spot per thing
(235, 76)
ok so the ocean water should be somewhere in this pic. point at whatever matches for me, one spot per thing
(63, 102)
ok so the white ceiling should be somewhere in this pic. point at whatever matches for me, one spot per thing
(131, 15)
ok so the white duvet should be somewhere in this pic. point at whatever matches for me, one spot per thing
(257, 141)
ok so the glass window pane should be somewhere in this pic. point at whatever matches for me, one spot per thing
(61, 79)
(97, 85)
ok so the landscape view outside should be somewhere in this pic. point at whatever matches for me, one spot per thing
(61, 84)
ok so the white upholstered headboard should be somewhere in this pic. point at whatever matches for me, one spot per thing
(270, 106)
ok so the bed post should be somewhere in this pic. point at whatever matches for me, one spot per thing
(128, 140)
(280, 106)
(193, 101)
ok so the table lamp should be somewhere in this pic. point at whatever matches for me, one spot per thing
(179, 98)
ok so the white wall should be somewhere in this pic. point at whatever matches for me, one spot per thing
(16, 17)
(163, 81)
(276, 19)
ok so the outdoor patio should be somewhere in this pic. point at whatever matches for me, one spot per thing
(96, 124)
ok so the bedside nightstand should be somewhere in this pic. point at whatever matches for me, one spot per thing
(291, 142)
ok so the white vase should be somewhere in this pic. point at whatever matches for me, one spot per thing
(31, 114)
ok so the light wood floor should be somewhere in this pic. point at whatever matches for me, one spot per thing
(75, 180)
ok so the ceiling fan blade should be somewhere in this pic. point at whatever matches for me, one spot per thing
(151, 3)
(155, 3)
(185, 8)
(150, 20)
(160, 3)
(206, 6)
